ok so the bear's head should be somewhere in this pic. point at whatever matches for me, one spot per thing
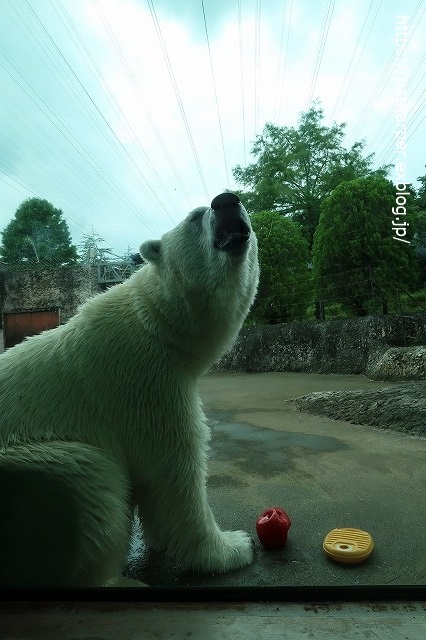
(204, 272)
(210, 245)
(229, 231)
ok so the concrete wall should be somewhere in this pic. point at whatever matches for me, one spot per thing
(348, 345)
(329, 346)
(64, 287)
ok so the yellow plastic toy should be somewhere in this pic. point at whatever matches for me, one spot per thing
(348, 545)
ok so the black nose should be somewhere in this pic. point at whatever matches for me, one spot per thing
(225, 200)
(232, 230)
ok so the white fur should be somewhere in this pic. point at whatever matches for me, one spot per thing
(103, 414)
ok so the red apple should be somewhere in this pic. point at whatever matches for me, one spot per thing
(272, 528)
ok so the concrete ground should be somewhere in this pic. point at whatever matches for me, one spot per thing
(325, 473)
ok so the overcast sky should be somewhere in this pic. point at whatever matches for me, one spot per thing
(126, 114)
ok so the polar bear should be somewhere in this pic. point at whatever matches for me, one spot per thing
(102, 416)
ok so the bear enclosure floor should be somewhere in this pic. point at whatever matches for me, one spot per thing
(325, 473)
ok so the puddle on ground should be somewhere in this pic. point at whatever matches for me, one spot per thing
(258, 450)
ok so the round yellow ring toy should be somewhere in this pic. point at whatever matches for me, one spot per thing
(348, 545)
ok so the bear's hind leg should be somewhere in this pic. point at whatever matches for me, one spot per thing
(64, 513)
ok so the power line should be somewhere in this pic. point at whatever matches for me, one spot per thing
(348, 80)
(281, 84)
(215, 93)
(382, 132)
(58, 122)
(282, 58)
(64, 177)
(240, 33)
(384, 79)
(77, 98)
(6, 172)
(99, 112)
(391, 144)
(176, 91)
(257, 64)
(420, 122)
(35, 126)
(390, 147)
(320, 50)
(126, 122)
(65, 131)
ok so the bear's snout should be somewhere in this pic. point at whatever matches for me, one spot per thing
(232, 228)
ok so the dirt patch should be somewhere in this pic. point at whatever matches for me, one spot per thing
(401, 408)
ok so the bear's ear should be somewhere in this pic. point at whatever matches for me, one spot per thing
(151, 250)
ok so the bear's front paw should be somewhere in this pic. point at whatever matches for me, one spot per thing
(228, 550)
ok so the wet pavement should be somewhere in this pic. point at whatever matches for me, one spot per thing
(325, 473)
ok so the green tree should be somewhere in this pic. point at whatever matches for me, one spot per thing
(284, 288)
(296, 168)
(37, 233)
(355, 255)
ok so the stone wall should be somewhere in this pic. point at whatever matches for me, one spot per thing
(330, 346)
(398, 363)
(64, 288)
(349, 345)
